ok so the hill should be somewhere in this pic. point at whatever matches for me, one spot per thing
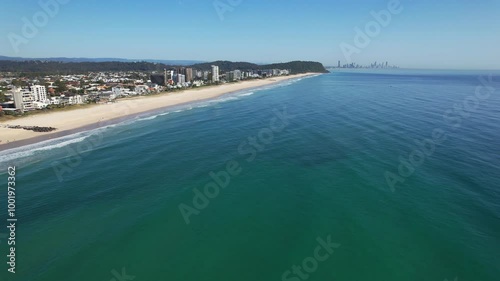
(294, 66)
(38, 67)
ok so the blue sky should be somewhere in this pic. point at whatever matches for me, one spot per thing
(447, 34)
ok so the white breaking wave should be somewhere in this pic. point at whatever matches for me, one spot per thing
(152, 117)
(246, 94)
(34, 149)
(19, 153)
(148, 118)
(224, 99)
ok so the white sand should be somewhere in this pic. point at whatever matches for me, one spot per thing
(74, 119)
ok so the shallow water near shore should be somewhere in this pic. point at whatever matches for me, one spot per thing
(101, 115)
(106, 201)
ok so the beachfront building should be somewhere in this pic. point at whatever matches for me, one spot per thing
(18, 99)
(198, 83)
(55, 100)
(78, 99)
(39, 93)
(237, 74)
(189, 74)
(23, 99)
(180, 79)
(199, 74)
(107, 96)
(215, 73)
(154, 87)
(141, 89)
(118, 91)
(158, 79)
(39, 105)
(234, 75)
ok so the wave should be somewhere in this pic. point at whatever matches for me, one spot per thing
(246, 94)
(33, 153)
(147, 118)
(224, 99)
(228, 97)
(38, 148)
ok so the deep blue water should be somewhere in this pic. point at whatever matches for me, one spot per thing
(93, 203)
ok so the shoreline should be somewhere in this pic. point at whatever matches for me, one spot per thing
(101, 115)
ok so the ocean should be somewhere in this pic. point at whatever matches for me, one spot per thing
(352, 175)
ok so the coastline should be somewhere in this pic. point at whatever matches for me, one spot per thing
(74, 121)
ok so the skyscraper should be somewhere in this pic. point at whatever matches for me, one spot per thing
(237, 74)
(338, 65)
(215, 73)
(180, 78)
(189, 74)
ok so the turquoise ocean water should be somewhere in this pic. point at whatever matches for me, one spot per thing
(300, 164)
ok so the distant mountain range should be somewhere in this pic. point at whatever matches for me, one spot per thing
(64, 59)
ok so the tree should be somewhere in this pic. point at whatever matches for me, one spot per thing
(19, 83)
(61, 86)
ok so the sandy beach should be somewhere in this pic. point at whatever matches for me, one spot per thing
(67, 122)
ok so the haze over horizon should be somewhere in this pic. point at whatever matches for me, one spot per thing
(425, 34)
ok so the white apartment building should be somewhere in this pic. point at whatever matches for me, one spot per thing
(55, 100)
(118, 91)
(121, 91)
(75, 100)
(39, 105)
(23, 99)
(237, 74)
(215, 73)
(141, 89)
(180, 79)
(39, 93)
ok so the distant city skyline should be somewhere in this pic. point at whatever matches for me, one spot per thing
(421, 34)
